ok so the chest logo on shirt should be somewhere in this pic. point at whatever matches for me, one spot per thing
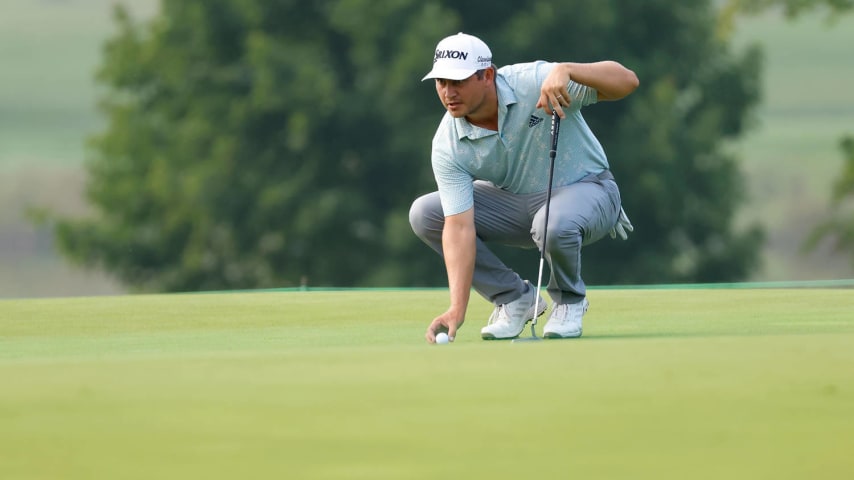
(534, 121)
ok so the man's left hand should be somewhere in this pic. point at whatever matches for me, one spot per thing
(554, 95)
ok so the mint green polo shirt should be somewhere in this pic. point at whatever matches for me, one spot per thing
(516, 157)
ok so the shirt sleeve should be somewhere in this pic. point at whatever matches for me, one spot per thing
(456, 189)
(582, 95)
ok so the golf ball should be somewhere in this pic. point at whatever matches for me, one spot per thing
(442, 338)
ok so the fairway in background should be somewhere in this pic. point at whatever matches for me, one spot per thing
(702, 383)
(792, 157)
(50, 51)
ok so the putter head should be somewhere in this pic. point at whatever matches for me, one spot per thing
(532, 338)
(527, 340)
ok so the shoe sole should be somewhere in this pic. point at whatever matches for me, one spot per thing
(554, 335)
(489, 336)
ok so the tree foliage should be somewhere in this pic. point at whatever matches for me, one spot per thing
(839, 226)
(261, 143)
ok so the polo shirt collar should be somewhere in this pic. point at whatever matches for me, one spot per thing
(506, 97)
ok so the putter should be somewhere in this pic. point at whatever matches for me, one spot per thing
(552, 154)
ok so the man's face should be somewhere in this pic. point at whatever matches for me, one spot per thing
(463, 97)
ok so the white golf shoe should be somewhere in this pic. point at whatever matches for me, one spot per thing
(565, 320)
(508, 320)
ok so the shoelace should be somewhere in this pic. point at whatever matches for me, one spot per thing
(565, 317)
(571, 313)
(498, 315)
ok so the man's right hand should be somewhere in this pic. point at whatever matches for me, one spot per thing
(458, 245)
(447, 322)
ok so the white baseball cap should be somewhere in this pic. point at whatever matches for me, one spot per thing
(457, 57)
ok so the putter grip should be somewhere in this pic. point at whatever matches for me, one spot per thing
(555, 132)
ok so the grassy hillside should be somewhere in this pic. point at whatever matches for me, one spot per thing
(792, 157)
(665, 384)
(49, 50)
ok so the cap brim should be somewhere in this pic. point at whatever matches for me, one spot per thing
(450, 73)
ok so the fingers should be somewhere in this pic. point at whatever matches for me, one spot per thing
(549, 99)
(430, 336)
(625, 222)
(623, 226)
(435, 327)
(442, 324)
(452, 332)
(543, 103)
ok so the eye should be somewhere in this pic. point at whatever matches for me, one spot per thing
(444, 82)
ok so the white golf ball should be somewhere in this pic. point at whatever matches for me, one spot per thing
(441, 338)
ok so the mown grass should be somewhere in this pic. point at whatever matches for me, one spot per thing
(322, 385)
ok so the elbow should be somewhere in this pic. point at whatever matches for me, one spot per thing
(627, 82)
(632, 82)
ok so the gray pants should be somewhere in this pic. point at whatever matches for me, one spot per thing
(579, 214)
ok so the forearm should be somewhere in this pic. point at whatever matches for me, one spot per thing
(458, 245)
(611, 80)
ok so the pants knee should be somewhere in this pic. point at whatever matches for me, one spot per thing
(564, 234)
(426, 216)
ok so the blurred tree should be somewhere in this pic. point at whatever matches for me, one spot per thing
(261, 143)
(839, 226)
(665, 142)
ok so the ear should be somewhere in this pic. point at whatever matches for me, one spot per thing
(489, 74)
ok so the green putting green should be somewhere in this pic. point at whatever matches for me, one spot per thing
(670, 383)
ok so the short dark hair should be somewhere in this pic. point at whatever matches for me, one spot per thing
(481, 72)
